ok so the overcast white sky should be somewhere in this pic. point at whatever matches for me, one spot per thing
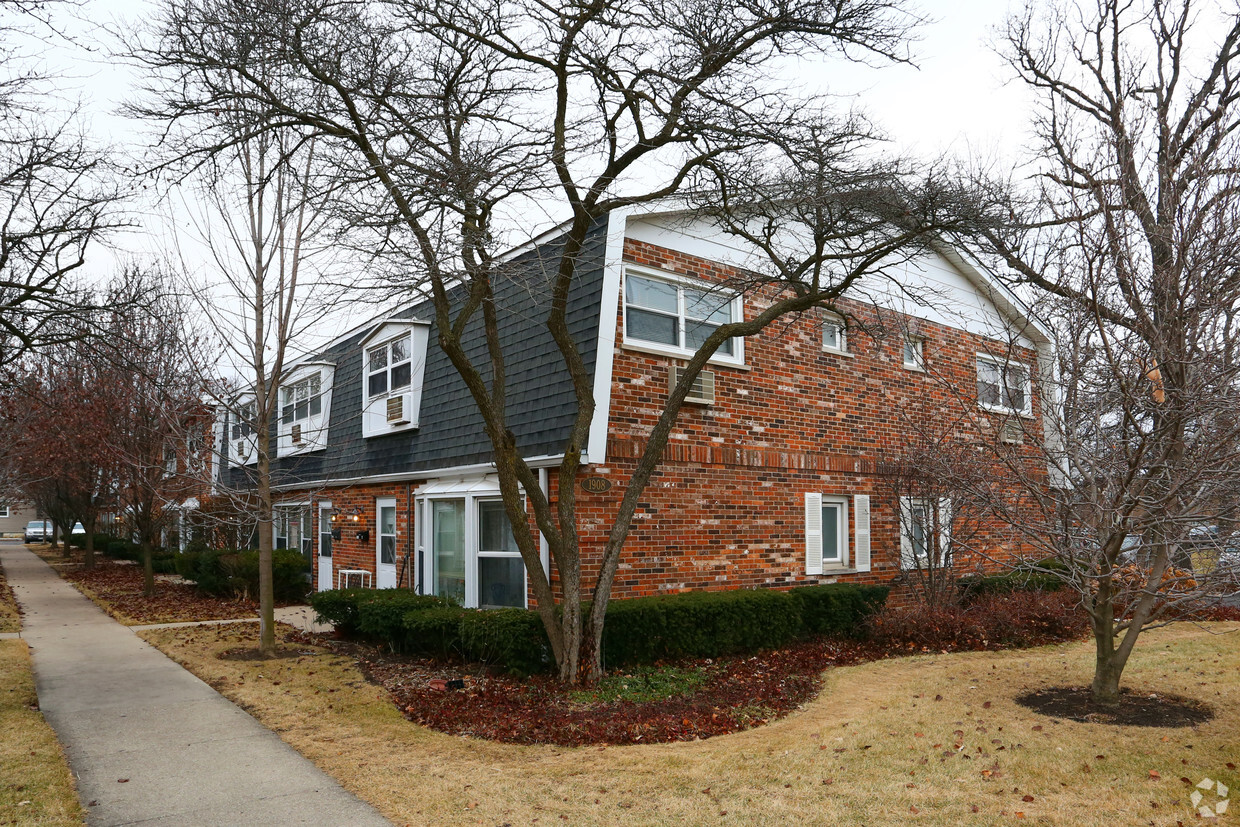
(955, 100)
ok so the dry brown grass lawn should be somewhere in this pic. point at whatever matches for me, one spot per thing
(36, 786)
(10, 618)
(876, 747)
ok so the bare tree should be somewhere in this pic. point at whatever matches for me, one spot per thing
(264, 228)
(158, 398)
(447, 119)
(1131, 228)
(57, 198)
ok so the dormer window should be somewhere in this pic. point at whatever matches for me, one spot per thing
(393, 367)
(305, 408)
(243, 442)
(301, 401)
(390, 367)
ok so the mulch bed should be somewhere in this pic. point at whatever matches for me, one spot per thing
(1075, 703)
(739, 693)
(119, 586)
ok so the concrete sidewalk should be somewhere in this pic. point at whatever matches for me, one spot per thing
(125, 711)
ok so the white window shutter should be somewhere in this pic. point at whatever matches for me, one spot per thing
(861, 530)
(907, 561)
(813, 534)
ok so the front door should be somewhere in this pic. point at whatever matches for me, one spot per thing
(385, 543)
(448, 548)
(325, 547)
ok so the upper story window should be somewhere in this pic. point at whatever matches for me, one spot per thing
(834, 334)
(243, 421)
(389, 367)
(677, 317)
(393, 370)
(301, 400)
(305, 408)
(1003, 386)
(914, 353)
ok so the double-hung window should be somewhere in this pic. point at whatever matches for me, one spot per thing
(389, 367)
(1003, 386)
(914, 353)
(243, 421)
(302, 400)
(925, 533)
(677, 317)
(834, 334)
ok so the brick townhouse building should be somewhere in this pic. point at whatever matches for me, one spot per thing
(772, 478)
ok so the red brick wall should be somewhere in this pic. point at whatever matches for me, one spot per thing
(726, 508)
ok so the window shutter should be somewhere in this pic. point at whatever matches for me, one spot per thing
(861, 529)
(907, 562)
(813, 534)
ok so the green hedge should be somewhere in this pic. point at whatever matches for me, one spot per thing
(837, 610)
(642, 630)
(101, 541)
(512, 639)
(1019, 580)
(232, 573)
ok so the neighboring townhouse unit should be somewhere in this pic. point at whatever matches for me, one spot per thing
(773, 476)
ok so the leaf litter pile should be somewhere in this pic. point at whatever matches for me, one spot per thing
(671, 702)
(119, 586)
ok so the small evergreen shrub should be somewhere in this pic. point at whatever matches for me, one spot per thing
(123, 550)
(381, 614)
(1018, 580)
(231, 573)
(338, 607)
(513, 639)
(698, 624)
(837, 609)
(435, 632)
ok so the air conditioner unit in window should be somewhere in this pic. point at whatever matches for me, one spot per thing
(702, 392)
(398, 409)
(1011, 433)
(296, 435)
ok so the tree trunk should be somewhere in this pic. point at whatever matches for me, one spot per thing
(88, 559)
(266, 593)
(1107, 666)
(148, 569)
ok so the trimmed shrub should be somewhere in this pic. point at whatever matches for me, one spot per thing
(435, 632)
(837, 609)
(338, 607)
(231, 573)
(381, 614)
(123, 550)
(513, 639)
(1018, 580)
(698, 624)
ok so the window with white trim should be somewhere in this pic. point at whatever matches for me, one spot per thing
(243, 421)
(4, 511)
(925, 533)
(914, 353)
(834, 334)
(1003, 386)
(826, 533)
(301, 400)
(389, 366)
(677, 317)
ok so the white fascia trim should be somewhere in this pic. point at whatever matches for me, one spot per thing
(605, 349)
(546, 461)
(997, 292)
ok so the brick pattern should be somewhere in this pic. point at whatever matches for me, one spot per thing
(726, 508)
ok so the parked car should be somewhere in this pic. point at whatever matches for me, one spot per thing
(38, 531)
(78, 528)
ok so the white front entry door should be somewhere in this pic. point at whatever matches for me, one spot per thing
(325, 547)
(385, 543)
